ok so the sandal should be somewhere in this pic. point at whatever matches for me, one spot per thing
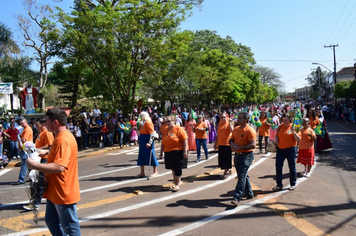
(224, 176)
(275, 189)
(174, 188)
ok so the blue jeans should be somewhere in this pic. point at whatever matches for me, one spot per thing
(242, 164)
(23, 169)
(1, 146)
(121, 137)
(85, 140)
(290, 154)
(105, 139)
(62, 219)
(14, 146)
(111, 138)
(202, 142)
(93, 139)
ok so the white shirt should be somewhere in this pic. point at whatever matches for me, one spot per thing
(96, 112)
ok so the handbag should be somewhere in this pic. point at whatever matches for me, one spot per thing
(271, 147)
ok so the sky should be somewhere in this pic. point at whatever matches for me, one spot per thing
(287, 36)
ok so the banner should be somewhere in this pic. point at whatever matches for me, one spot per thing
(6, 88)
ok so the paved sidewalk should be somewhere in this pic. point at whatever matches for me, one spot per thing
(83, 153)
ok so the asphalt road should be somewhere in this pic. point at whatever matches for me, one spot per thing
(114, 202)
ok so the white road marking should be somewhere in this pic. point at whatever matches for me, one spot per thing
(160, 200)
(341, 133)
(4, 171)
(222, 214)
(122, 152)
(343, 127)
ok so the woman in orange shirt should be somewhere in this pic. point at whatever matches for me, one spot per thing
(306, 147)
(286, 140)
(175, 147)
(222, 139)
(263, 131)
(146, 149)
(201, 136)
(313, 119)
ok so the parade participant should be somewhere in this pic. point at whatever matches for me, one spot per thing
(61, 173)
(243, 142)
(222, 140)
(275, 120)
(200, 129)
(323, 141)
(133, 133)
(189, 128)
(11, 133)
(263, 131)
(212, 131)
(44, 141)
(26, 135)
(175, 145)
(286, 141)
(306, 147)
(313, 119)
(146, 154)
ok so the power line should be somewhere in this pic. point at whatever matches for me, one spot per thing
(321, 51)
(344, 22)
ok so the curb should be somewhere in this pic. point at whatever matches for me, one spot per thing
(17, 162)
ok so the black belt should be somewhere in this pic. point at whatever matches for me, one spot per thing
(242, 153)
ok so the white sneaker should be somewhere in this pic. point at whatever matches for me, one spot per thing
(307, 175)
(30, 207)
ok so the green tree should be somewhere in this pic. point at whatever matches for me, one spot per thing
(8, 45)
(119, 43)
(38, 32)
(269, 77)
(345, 89)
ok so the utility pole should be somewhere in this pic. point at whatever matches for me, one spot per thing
(333, 46)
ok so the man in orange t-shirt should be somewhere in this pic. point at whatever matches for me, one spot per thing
(243, 142)
(26, 135)
(201, 137)
(61, 172)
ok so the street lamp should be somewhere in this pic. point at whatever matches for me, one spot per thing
(315, 63)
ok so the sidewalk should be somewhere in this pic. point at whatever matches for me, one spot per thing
(83, 153)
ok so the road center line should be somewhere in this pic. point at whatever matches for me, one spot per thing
(159, 200)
